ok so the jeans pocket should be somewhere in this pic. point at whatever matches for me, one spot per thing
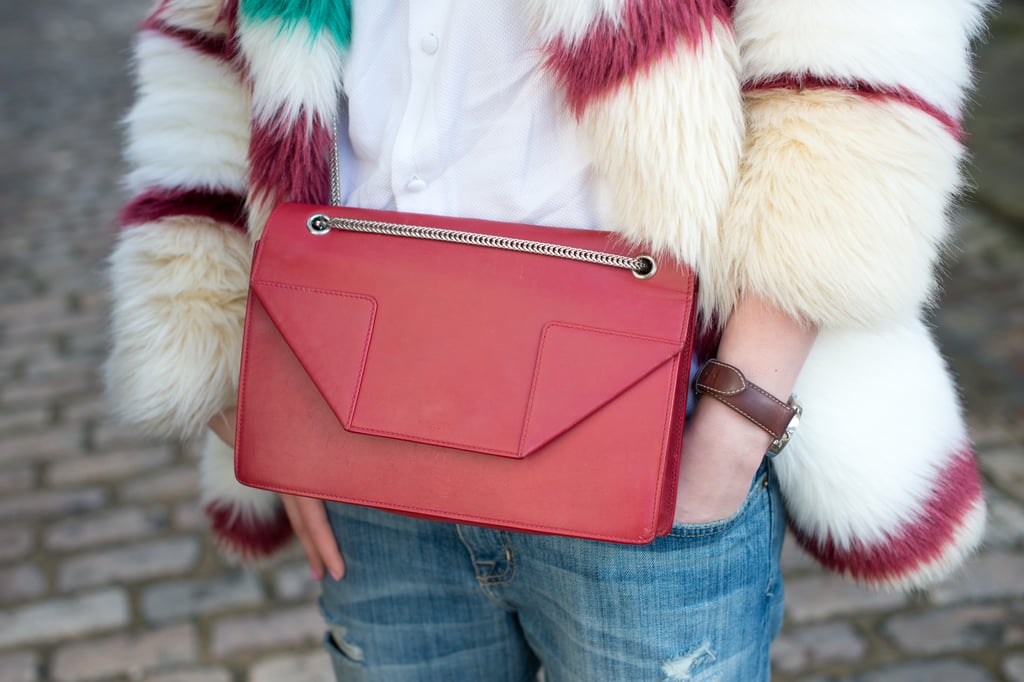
(758, 487)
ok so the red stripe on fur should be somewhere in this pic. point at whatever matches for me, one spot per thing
(956, 491)
(229, 17)
(224, 207)
(210, 44)
(288, 160)
(863, 89)
(247, 535)
(614, 51)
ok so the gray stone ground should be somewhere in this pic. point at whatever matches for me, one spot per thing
(105, 570)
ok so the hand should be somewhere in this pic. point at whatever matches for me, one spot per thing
(307, 515)
(721, 453)
(721, 449)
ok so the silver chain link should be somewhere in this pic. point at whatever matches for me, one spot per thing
(642, 266)
(335, 165)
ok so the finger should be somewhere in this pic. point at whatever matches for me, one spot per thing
(294, 513)
(314, 515)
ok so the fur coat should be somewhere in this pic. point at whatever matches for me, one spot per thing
(800, 150)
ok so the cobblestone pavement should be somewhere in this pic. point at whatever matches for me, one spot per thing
(106, 572)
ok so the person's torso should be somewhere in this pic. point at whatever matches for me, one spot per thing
(449, 111)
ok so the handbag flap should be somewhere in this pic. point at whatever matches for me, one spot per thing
(467, 347)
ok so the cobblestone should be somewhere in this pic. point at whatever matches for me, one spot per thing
(50, 503)
(57, 619)
(125, 654)
(130, 564)
(185, 598)
(1006, 468)
(292, 582)
(17, 479)
(20, 667)
(114, 526)
(107, 466)
(284, 627)
(311, 667)
(958, 629)
(795, 559)
(1005, 528)
(16, 420)
(939, 671)
(202, 675)
(45, 389)
(189, 515)
(75, 411)
(112, 435)
(1014, 669)
(48, 326)
(817, 597)
(40, 445)
(160, 487)
(15, 542)
(817, 645)
(992, 576)
(20, 583)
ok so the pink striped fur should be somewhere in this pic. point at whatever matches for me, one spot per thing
(224, 207)
(612, 52)
(863, 89)
(289, 161)
(210, 44)
(921, 542)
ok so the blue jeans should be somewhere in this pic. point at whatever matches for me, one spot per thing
(437, 602)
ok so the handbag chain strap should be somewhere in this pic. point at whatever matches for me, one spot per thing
(642, 266)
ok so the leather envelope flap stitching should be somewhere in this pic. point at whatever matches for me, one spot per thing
(511, 384)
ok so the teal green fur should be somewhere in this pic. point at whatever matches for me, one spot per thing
(332, 15)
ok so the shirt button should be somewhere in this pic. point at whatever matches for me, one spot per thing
(429, 43)
(416, 184)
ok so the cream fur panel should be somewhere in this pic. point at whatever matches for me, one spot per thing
(260, 208)
(194, 15)
(189, 126)
(854, 479)
(668, 180)
(179, 289)
(841, 206)
(570, 19)
(921, 45)
(870, 467)
(291, 71)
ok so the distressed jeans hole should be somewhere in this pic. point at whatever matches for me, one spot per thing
(352, 651)
(682, 668)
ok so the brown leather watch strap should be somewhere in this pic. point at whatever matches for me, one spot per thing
(727, 384)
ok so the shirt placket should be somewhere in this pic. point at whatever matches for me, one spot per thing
(413, 162)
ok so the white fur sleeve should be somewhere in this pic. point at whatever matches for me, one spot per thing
(178, 273)
(852, 153)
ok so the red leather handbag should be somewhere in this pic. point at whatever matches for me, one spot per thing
(511, 376)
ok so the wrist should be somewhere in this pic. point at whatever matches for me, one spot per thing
(728, 432)
(728, 385)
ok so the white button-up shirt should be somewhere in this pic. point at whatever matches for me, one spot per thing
(449, 112)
